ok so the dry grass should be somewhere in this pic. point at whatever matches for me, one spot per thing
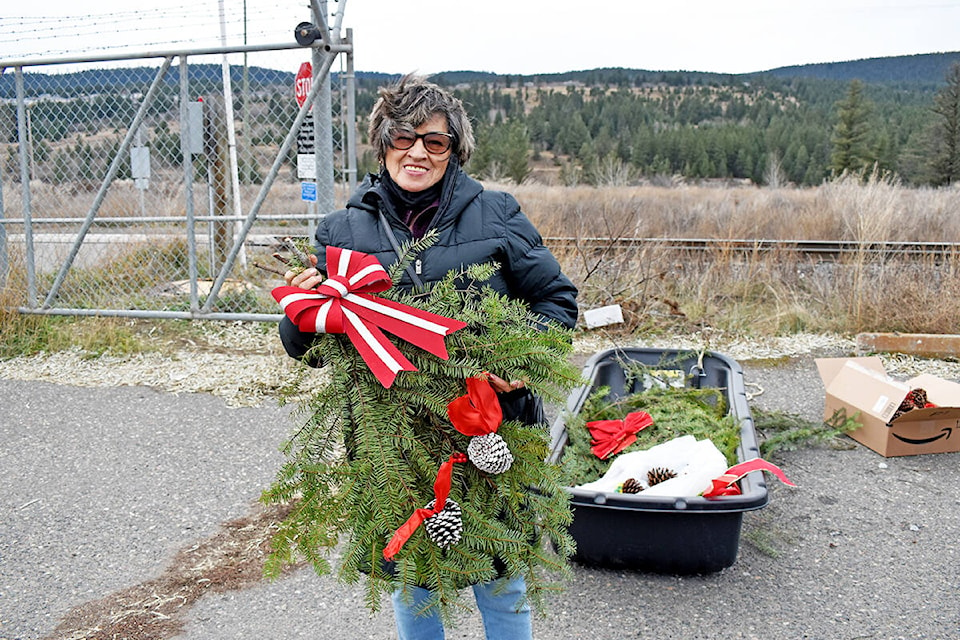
(877, 207)
(765, 293)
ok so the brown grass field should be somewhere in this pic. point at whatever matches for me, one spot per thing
(765, 293)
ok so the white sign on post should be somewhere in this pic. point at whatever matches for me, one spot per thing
(306, 158)
(306, 166)
(140, 166)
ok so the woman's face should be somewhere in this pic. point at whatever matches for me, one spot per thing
(416, 169)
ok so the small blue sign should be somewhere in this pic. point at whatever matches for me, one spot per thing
(308, 191)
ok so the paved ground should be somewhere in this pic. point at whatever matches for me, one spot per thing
(103, 487)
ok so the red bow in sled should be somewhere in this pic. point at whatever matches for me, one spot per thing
(613, 436)
(343, 304)
(724, 485)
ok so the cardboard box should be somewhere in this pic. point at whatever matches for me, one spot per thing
(861, 385)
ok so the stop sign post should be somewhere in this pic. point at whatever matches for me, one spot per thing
(306, 160)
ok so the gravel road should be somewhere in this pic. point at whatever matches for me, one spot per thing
(106, 487)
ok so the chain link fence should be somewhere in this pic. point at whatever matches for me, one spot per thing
(138, 190)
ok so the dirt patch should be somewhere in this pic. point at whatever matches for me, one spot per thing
(230, 560)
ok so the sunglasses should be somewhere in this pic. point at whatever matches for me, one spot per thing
(434, 141)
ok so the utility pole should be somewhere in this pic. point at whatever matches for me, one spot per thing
(322, 116)
(231, 135)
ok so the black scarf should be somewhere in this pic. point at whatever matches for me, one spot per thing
(405, 201)
(414, 207)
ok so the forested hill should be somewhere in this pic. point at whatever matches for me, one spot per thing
(921, 69)
(797, 125)
(928, 68)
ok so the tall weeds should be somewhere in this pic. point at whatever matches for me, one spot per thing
(662, 289)
(761, 292)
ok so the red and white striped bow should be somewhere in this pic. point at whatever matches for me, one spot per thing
(343, 304)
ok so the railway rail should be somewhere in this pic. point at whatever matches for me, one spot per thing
(824, 249)
(827, 249)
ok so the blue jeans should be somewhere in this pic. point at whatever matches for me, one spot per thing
(499, 602)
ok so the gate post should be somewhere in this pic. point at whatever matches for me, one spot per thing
(217, 160)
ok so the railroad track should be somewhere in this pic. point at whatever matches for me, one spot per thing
(821, 248)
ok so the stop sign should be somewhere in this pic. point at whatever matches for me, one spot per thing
(301, 86)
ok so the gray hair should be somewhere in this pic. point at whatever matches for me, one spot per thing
(411, 102)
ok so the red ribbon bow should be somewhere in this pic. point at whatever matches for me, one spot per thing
(613, 436)
(441, 490)
(478, 412)
(343, 304)
(724, 484)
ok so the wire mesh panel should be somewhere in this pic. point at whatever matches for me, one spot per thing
(131, 189)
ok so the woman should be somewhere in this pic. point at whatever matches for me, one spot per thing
(423, 136)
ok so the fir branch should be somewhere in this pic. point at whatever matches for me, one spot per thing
(408, 253)
(781, 431)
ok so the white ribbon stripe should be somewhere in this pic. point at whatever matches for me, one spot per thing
(397, 314)
(371, 341)
(339, 286)
(363, 273)
(344, 263)
(290, 298)
(322, 312)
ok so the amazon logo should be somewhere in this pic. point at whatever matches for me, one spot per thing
(944, 434)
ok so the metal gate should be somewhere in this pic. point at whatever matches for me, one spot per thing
(156, 191)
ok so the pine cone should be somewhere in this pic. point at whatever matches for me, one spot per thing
(918, 397)
(659, 474)
(446, 527)
(631, 485)
(489, 453)
(915, 399)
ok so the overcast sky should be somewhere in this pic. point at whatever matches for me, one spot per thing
(505, 36)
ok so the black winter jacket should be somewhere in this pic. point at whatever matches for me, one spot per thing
(474, 226)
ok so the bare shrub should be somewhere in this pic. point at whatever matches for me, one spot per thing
(614, 172)
(774, 176)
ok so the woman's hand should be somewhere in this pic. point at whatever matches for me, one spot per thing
(309, 278)
(502, 386)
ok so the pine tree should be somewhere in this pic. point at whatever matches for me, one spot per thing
(516, 151)
(366, 457)
(945, 154)
(850, 134)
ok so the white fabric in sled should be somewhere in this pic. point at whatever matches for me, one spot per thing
(696, 463)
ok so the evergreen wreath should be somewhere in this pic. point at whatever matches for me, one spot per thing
(365, 457)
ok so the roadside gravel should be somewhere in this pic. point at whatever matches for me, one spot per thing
(246, 366)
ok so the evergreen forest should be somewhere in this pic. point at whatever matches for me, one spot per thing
(794, 125)
(616, 127)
